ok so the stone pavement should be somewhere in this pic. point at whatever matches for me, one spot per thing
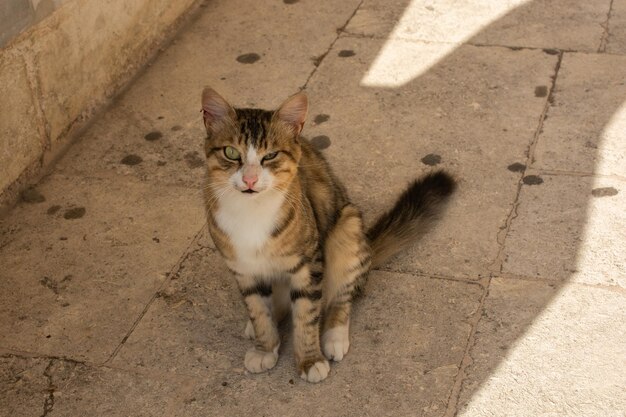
(113, 301)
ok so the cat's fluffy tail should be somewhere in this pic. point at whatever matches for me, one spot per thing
(416, 209)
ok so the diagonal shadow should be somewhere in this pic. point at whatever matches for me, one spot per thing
(548, 229)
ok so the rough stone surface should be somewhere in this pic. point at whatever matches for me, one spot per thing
(85, 390)
(563, 231)
(575, 138)
(73, 281)
(545, 351)
(117, 146)
(202, 310)
(24, 385)
(476, 110)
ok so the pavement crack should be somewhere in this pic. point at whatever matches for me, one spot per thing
(565, 173)
(48, 404)
(175, 269)
(430, 275)
(551, 51)
(497, 264)
(319, 59)
(466, 362)
(604, 40)
(28, 355)
(361, 35)
(530, 157)
(503, 233)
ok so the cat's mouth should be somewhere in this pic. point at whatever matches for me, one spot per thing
(249, 191)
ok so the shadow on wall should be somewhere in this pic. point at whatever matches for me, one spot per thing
(556, 223)
(17, 15)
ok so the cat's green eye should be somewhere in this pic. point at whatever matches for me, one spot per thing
(232, 153)
(270, 156)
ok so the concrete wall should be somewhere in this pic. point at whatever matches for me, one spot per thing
(56, 72)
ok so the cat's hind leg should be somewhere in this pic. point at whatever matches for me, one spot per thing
(346, 264)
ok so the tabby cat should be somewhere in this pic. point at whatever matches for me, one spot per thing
(288, 232)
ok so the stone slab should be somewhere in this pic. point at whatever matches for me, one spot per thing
(515, 23)
(256, 70)
(549, 351)
(569, 228)
(474, 114)
(83, 257)
(408, 338)
(586, 126)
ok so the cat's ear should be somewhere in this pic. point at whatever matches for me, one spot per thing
(293, 112)
(215, 109)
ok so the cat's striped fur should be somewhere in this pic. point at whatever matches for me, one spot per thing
(290, 235)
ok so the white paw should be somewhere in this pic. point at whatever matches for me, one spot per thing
(249, 332)
(258, 361)
(336, 342)
(318, 372)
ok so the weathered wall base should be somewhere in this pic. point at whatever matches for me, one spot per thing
(58, 73)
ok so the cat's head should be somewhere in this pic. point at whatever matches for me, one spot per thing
(251, 151)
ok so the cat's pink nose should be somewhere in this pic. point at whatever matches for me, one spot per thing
(250, 180)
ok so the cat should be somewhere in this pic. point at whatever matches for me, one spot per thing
(289, 234)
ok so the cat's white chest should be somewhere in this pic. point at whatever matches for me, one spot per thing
(249, 223)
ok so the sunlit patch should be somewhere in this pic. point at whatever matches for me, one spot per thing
(564, 363)
(610, 156)
(428, 32)
(400, 61)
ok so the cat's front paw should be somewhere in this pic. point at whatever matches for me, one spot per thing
(316, 371)
(257, 361)
(336, 342)
(249, 331)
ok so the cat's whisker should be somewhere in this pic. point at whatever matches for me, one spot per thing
(214, 184)
(295, 203)
(215, 197)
